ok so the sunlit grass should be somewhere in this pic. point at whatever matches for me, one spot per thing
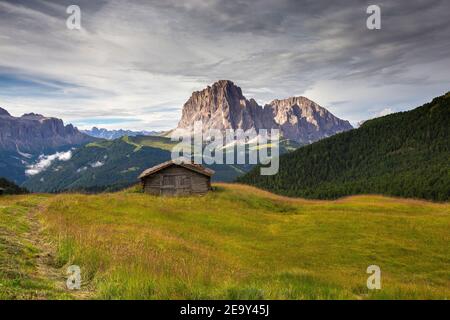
(19, 278)
(152, 141)
(239, 242)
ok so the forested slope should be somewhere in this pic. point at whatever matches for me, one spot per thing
(403, 154)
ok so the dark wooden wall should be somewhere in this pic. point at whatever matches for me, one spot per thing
(176, 181)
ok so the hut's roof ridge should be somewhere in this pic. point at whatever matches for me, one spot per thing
(183, 163)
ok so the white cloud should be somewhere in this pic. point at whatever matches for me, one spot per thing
(97, 164)
(81, 169)
(45, 161)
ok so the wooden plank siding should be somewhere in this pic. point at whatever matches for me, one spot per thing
(176, 181)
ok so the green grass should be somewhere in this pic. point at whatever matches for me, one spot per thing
(239, 242)
(19, 278)
(104, 144)
(151, 141)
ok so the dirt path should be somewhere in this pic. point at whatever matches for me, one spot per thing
(45, 258)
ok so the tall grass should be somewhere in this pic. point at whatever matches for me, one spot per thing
(19, 278)
(242, 243)
(237, 242)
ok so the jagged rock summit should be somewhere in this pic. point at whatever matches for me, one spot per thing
(223, 106)
(3, 112)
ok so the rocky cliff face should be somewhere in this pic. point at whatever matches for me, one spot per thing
(223, 106)
(34, 133)
(303, 120)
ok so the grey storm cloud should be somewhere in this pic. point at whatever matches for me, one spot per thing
(144, 58)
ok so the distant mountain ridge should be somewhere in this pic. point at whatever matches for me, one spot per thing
(109, 165)
(403, 154)
(24, 139)
(103, 133)
(34, 133)
(223, 106)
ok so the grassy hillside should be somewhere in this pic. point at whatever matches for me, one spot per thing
(237, 242)
(403, 154)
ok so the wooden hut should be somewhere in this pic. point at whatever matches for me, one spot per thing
(176, 179)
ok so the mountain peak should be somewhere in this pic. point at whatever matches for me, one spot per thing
(293, 99)
(220, 106)
(224, 83)
(3, 112)
(34, 133)
(115, 134)
(33, 115)
(221, 88)
(223, 106)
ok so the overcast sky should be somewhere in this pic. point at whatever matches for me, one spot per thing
(135, 63)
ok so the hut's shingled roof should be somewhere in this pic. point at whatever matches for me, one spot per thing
(188, 165)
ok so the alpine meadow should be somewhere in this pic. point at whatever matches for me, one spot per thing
(237, 242)
(224, 159)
